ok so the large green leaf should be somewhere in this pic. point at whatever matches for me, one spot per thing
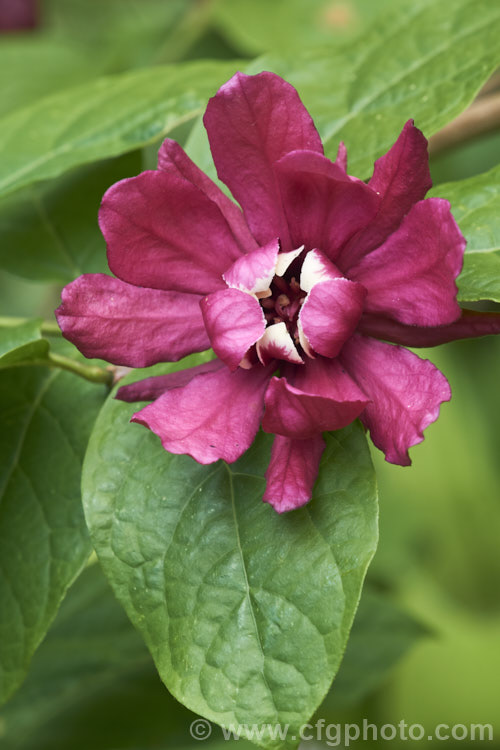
(101, 119)
(284, 25)
(82, 39)
(46, 419)
(22, 343)
(246, 613)
(33, 67)
(122, 33)
(424, 60)
(50, 232)
(93, 665)
(475, 204)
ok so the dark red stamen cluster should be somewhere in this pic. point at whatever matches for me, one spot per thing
(284, 303)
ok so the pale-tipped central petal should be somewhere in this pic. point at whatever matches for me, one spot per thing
(253, 273)
(316, 268)
(276, 343)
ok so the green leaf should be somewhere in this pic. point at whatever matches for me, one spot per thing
(101, 119)
(22, 343)
(480, 277)
(290, 25)
(246, 613)
(50, 231)
(122, 33)
(46, 419)
(82, 39)
(92, 683)
(475, 205)
(381, 634)
(31, 68)
(425, 60)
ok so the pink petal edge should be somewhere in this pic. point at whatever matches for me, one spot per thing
(252, 122)
(127, 325)
(152, 388)
(405, 394)
(216, 415)
(234, 322)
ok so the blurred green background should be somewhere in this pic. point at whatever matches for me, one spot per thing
(438, 556)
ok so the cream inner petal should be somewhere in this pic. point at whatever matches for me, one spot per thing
(285, 259)
(276, 343)
(315, 268)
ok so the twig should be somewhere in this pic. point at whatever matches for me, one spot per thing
(47, 327)
(483, 116)
(89, 372)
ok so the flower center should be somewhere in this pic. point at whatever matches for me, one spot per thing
(283, 306)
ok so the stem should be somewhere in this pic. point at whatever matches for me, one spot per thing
(50, 328)
(483, 116)
(47, 328)
(89, 372)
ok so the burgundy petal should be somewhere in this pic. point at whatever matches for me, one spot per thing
(411, 277)
(128, 325)
(163, 232)
(252, 122)
(174, 160)
(470, 325)
(255, 271)
(151, 388)
(216, 415)
(401, 178)
(292, 472)
(315, 398)
(405, 391)
(323, 207)
(330, 314)
(234, 321)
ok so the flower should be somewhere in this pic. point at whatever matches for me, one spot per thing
(298, 293)
(17, 15)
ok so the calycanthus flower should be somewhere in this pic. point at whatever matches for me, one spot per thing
(18, 15)
(297, 293)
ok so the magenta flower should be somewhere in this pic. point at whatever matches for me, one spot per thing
(294, 293)
(17, 15)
